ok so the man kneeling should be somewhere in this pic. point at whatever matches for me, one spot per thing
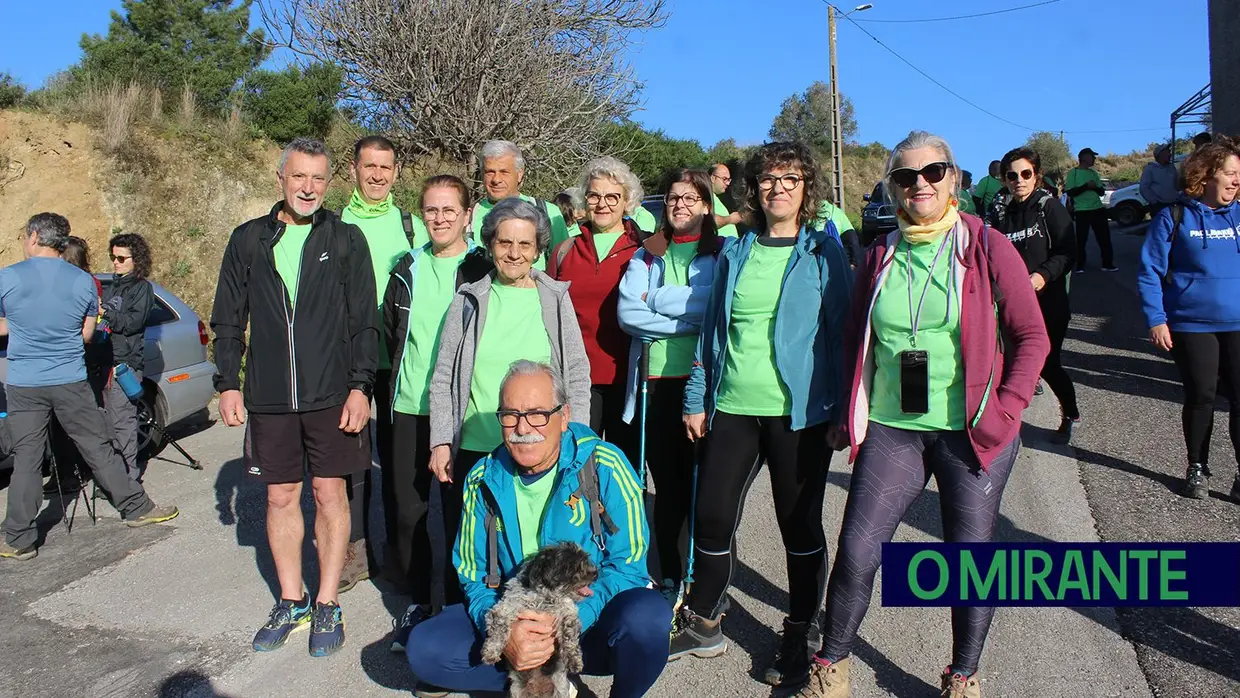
(549, 471)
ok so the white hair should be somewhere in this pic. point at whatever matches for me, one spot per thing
(915, 140)
(608, 167)
(499, 149)
(525, 367)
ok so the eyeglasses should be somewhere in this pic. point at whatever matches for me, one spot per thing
(447, 214)
(1024, 174)
(932, 173)
(594, 197)
(789, 182)
(535, 418)
(725, 180)
(120, 258)
(687, 199)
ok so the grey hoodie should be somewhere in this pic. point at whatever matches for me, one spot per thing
(458, 342)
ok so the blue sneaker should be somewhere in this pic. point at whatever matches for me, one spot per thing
(326, 629)
(286, 618)
(400, 635)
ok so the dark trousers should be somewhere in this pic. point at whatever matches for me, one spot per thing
(736, 447)
(1057, 314)
(361, 486)
(406, 506)
(123, 417)
(1100, 223)
(891, 471)
(1200, 356)
(671, 457)
(629, 641)
(30, 410)
(607, 420)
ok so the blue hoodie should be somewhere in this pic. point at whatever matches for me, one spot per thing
(1204, 264)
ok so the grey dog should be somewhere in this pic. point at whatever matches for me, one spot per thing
(546, 583)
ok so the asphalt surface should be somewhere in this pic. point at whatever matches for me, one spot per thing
(170, 610)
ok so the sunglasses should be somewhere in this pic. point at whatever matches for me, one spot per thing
(120, 258)
(932, 173)
(1024, 174)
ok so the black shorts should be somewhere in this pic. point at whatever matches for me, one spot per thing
(279, 448)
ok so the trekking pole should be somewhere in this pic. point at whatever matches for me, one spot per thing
(692, 515)
(643, 378)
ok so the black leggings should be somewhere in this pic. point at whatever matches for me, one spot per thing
(1098, 221)
(1057, 314)
(892, 469)
(670, 455)
(735, 449)
(361, 485)
(607, 420)
(1199, 356)
(406, 505)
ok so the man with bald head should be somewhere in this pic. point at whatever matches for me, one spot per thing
(725, 220)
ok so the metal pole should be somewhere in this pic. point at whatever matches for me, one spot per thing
(837, 134)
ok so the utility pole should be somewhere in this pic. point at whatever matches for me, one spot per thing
(837, 134)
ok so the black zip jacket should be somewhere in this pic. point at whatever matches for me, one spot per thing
(302, 358)
(1041, 230)
(127, 304)
(477, 264)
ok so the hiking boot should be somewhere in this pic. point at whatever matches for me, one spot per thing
(957, 685)
(286, 618)
(1196, 481)
(697, 636)
(8, 552)
(154, 516)
(326, 629)
(401, 628)
(827, 680)
(1067, 430)
(356, 568)
(791, 664)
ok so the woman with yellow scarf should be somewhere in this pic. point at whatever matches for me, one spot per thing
(931, 394)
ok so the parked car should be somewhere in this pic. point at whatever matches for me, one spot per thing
(878, 217)
(654, 204)
(1126, 205)
(178, 375)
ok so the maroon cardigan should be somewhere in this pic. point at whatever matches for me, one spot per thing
(998, 384)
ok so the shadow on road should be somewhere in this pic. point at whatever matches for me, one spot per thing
(188, 684)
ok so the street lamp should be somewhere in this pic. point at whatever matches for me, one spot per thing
(837, 134)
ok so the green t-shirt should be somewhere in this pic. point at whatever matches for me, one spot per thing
(750, 384)
(728, 230)
(385, 236)
(1088, 200)
(532, 501)
(644, 219)
(513, 330)
(986, 189)
(434, 285)
(603, 242)
(938, 334)
(966, 202)
(673, 357)
(559, 229)
(830, 212)
(288, 256)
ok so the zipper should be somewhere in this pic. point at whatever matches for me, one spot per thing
(290, 320)
(408, 332)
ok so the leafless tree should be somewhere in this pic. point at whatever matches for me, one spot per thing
(443, 76)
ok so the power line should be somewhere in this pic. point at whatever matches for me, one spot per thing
(952, 19)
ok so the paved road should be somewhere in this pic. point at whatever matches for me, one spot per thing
(170, 610)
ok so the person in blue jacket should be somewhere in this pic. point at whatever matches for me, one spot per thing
(534, 485)
(662, 299)
(766, 384)
(1189, 281)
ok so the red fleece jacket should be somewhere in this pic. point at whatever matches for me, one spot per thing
(998, 384)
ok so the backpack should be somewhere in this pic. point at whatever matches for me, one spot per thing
(1177, 217)
(587, 491)
(406, 222)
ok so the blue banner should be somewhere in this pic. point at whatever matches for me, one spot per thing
(1061, 574)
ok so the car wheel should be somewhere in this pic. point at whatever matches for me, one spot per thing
(150, 441)
(1128, 213)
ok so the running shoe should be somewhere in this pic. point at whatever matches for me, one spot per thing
(154, 516)
(287, 617)
(326, 629)
(10, 553)
(401, 628)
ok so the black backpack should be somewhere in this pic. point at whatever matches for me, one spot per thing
(406, 222)
(587, 491)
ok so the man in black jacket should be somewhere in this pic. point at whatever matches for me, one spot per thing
(302, 281)
(127, 303)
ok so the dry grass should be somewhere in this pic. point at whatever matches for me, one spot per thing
(116, 107)
(188, 113)
(157, 105)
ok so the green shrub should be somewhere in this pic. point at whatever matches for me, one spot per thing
(11, 91)
(292, 103)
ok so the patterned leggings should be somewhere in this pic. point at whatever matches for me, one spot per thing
(892, 469)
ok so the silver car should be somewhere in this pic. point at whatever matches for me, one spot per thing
(177, 377)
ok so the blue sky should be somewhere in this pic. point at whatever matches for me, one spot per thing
(721, 68)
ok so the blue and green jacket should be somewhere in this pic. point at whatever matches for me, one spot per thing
(809, 327)
(621, 560)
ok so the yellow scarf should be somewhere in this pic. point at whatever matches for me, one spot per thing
(915, 234)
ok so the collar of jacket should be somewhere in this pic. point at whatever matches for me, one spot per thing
(709, 242)
(483, 286)
(403, 268)
(273, 221)
(576, 445)
(632, 236)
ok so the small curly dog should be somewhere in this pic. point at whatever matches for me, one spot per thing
(546, 583)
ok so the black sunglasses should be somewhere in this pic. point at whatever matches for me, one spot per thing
(120, 258)
(1024, 174)
(907, 176)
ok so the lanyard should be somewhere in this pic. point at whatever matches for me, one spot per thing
(915, 318)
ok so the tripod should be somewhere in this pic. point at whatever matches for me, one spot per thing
(146, 418)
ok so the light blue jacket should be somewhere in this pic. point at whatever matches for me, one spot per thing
(621, 561)
(667, 311)
(809, 327)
